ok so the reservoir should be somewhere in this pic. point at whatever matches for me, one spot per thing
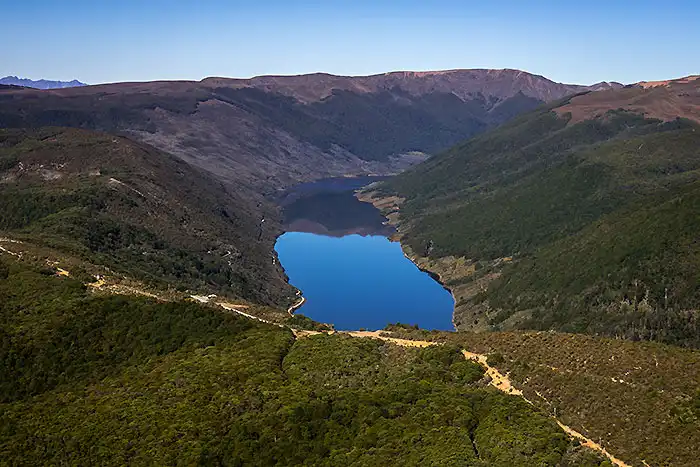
(337, 252)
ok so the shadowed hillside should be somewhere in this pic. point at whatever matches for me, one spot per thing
(138, 211)
(271, 132)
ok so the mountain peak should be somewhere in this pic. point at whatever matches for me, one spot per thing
(654, 84)
(664, 100)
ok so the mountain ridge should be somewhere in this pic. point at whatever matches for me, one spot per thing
(462, 82)
(41, 83)
(269, 133)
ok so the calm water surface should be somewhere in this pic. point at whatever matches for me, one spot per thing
(362, 282)
(354, 281)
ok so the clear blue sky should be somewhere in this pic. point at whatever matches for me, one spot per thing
(579, 42)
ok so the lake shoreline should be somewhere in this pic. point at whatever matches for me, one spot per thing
(305, 206)
(436, 277)
(381, 205)
(357, 282)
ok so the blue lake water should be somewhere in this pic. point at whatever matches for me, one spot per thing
(356, 281)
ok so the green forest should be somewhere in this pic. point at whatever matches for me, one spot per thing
(117, 380)
(599, 217)
(642, 399)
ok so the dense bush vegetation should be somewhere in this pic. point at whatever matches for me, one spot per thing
(535, 180)
(116, 380)
(634, 274)
(64, 337)
(600, 218)
(640, 398)
(135, 210)
(299, 321)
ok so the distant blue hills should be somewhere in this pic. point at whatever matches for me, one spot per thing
(39, 84)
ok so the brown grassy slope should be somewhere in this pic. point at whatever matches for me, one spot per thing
(663, 100)
(641, 398)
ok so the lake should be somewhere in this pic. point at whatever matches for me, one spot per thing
(337, 252)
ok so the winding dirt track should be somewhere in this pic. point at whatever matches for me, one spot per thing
(497, 380)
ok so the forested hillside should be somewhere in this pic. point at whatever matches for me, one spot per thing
(138, 212)
(641, 399)
(587, 226)
(116, 380)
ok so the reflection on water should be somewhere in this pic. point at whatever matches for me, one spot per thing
(336, 251)
(329, 207)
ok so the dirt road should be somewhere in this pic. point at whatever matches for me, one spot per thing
(497, 379)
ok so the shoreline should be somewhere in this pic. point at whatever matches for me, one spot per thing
(407, 253)
(436, 277)
(366, 197)
(294, 307)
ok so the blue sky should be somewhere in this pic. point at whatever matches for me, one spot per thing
(106, 41)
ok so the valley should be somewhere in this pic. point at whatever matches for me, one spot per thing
(272, 132)
(209, 272)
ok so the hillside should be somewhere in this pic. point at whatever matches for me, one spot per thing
(579, 217)
(640, 399)
(115, 380)
(664, 100)
(39, 84)
(272, 132)
(139, 212)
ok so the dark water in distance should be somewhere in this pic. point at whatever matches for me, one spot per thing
(329, 207)
(327, 185)
(356, 281)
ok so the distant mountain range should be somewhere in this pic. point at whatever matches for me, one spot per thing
(281, 130)
(466, 84)
(39, 84)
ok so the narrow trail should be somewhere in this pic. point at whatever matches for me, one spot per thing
(10, 252)
(5, 250)
(497, 379)
(297, 305)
